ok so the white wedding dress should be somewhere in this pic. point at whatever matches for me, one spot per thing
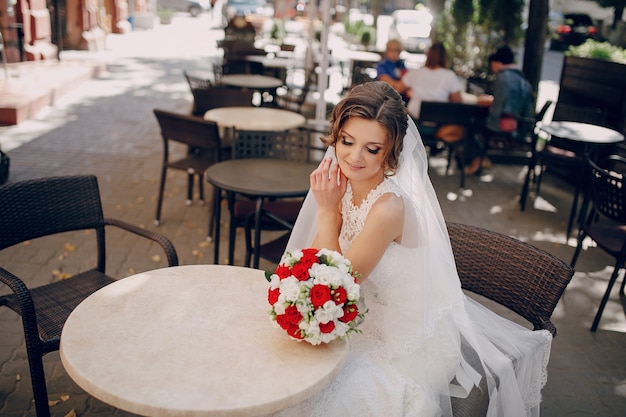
(420, 331)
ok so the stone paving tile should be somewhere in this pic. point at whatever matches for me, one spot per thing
(106, 127)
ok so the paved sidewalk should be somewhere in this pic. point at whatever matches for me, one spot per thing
(106, 127)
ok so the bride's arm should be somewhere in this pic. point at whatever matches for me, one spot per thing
(383, 225)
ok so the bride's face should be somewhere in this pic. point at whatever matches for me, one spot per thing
(361, 149)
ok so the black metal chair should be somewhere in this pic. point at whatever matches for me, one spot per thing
(204, 148)
(608, 196)
(43, 207)
(514, 274)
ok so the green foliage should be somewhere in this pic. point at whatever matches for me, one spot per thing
(598, 50)
(472, 29)
(278, 31)
(363, 32)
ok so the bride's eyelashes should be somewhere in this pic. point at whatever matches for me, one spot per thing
(373, 151)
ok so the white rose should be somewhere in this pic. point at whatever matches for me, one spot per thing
(290, 289)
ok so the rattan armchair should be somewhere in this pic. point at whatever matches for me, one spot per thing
(43, 207)
(608, 195)
(514, 274)
(203, 149)
(205, 99)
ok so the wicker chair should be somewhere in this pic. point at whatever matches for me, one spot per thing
(210, 98)
(519, 276)
(608, 194)
(290, 145)
(43, 207)
(204, 148)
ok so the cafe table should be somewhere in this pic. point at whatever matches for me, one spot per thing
(259, 179)
(193, 340)
(251, 81)
(255, 118)
(592, 137)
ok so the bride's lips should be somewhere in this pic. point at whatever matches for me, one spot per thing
(352, 166)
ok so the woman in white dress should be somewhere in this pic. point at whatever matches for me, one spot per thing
(371, 199)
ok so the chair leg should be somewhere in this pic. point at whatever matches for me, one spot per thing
(190, 178)
(248, 231)
(38, 380)
(605, 298)
(579, 246)
(200, 188)
(525, 189)
(157, 219)
(572, 214)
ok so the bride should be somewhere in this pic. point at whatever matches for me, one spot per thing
(423, 342)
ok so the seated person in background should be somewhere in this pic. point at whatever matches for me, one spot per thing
(512, 100)
(392, 68)
(434, 82)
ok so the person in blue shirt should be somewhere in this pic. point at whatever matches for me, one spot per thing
(512, 101)
(392, 68)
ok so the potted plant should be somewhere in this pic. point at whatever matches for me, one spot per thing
(165, 15)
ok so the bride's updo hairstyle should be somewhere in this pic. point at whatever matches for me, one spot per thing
(377, 101)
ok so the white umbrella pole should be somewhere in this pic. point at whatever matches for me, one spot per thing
(322, 81)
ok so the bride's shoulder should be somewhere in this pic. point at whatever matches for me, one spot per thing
(389, 205)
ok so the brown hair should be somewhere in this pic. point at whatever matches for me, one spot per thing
(375, 100)
(437, 56)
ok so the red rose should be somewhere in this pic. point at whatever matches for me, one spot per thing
(319, 295)
(340, 295)
(289, 321)
(349, 313)
(309, 257)
(292, 315)
(283, 271)
(300, 271)
(272, 295)
(327, 327)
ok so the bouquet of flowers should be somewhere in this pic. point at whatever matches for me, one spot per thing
(314, 296)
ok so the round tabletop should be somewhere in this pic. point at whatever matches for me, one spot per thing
(275, 62)
(255, 118)
(254, 81)
(192, 340)
(261, 177)
(583, 132)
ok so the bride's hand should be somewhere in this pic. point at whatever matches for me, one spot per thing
(328, 184)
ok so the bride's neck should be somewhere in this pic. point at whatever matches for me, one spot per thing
(361, 189)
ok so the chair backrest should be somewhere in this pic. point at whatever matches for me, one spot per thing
(197, 82)
(211, 98)
(583, 114)
(241, 66)
(451, 113)
(46, 206)
(192, 131)
(290, 145)
(608, 187)
(515, 274)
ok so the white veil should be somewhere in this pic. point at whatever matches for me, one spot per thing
(485, 342)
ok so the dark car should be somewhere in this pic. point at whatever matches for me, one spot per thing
(571, 29)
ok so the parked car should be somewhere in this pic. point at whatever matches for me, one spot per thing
(412, 28)
(249, 7)
(193, 7)
(570, 29)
